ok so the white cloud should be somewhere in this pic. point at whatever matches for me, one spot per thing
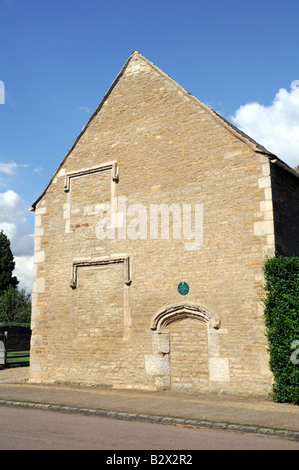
(276, 127)
(84, 108)
(13, 221)
(11, 168)
(8, 168)
(37, 169)
(24, 271)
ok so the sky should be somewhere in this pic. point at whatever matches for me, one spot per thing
(59, 57)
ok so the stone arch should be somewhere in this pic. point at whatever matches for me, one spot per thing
(176, 312)
(158, 363)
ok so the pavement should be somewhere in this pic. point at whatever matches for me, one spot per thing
(233, 413)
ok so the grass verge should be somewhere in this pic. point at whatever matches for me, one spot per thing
(17, 358)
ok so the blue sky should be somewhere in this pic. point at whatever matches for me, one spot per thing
(58, 58)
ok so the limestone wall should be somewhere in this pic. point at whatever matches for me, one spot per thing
(94, 300)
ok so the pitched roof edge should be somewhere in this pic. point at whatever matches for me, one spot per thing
(252, 144)
(255, 146)
(100, 105)
(239, 134)
(282, 164)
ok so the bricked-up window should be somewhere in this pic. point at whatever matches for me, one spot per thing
(100, 301)
(87, 190)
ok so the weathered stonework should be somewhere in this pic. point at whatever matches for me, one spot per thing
(108, 311)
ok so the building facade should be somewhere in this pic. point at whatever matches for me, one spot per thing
(150, 241)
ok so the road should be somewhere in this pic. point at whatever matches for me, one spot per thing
(30, 429)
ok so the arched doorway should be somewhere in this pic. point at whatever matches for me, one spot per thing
(181, 336)
(175, 312)
(188, 355)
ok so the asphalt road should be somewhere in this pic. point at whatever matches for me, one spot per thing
(29, 429)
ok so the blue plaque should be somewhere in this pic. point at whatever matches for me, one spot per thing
(183, 288)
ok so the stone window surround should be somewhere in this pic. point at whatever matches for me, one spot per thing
(102, 262)
(87, 171)
(112, 166)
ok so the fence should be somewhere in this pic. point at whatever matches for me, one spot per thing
(16, 338)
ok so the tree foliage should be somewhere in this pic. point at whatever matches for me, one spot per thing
(15, 306)
(282, 325)
(7, 264)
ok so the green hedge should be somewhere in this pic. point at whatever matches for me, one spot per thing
(282, 325)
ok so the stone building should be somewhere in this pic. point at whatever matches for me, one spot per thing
(150, 241)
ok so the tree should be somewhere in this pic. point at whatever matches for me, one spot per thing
(7, 265)
(15, 306)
